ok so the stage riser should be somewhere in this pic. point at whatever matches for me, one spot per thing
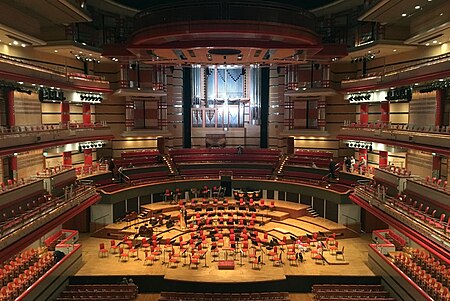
(292, 284)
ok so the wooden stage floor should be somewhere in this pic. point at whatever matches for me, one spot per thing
(356, 254)
(296, 223)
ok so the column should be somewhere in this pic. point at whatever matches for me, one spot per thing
(65, 112)
(88, 157)
(440, 106)
(364, 113)
(67, 159)
(321, 115)
(384, 108)
(11, 111)
(124, 81)
(326, 76)
(87, 113)
(436, 172)
(382, 158)
(129, 114)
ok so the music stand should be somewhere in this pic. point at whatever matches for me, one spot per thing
(240, 257)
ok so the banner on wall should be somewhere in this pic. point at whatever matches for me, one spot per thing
(364, 97)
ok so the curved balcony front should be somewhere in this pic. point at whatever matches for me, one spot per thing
(194, 21)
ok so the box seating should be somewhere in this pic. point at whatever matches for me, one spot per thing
(139, 154)
(360, 292)
(118, 292)
(227, 154)
(17, 213)
(306, 157)
(362, 287)
(178, 296)
(54, 239)
(22, 271)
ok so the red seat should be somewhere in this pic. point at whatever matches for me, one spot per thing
(102, 252)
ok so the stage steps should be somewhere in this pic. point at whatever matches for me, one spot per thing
(312, 212)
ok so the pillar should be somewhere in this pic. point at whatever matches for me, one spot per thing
(364, 113)
(440, 107)
(11, 111)
(87, 113)
(382, 159)
(67, 159)
(384, 108)
(321, 116)
(124, 81)
(65, 112)
(326, 76)
(10, 108)
(129, 114)
(436, 172)
(88, 157)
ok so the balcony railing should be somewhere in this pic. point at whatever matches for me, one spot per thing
(431, 135)
(188, 11)
(408, 215)
(401, 71)
(14, 229)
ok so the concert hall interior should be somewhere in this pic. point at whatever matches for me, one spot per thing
(225, 150)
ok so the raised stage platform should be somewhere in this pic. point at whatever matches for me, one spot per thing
(352, 264)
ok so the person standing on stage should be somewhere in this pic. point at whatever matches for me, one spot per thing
(332, 168)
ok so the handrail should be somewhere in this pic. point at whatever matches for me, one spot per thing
(387, 205)
(28, 129)
(400, 272)
(43, 215)
(47, 274)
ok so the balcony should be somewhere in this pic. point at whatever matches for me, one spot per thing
(32, 71)
(27, 227)
(407, 220)
(16, 228)
(426, 138)
(27, 137)
(423, 70)
(402, 285)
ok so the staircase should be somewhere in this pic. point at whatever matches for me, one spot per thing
(172, 167)
(278, 170)
(312, 212)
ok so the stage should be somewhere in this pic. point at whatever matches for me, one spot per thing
(284, 220)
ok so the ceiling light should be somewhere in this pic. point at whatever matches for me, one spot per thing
(20, 83)
(441, 14)
(84, 44)
(417, 7)
(15, 42)
(395, 50)
(404, 15)
(427, 44)
(434, 42)
(81, 52)
(9, 44)
(56, 50)
(23, 45)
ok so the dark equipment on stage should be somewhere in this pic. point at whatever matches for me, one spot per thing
(58, 255)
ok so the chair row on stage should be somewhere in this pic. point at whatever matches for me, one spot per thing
(220, 204)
